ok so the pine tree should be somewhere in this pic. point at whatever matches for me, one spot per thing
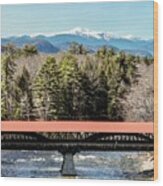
(89, 70)
(101, 97)
(71, 86)
(29, 50)
(76, 48)
(9, 92)
(102, 52)
(47, 90)
(9, 50)
(26, 99)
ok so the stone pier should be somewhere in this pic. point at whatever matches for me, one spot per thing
(68, 167)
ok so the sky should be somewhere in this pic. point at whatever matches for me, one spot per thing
(119, 18)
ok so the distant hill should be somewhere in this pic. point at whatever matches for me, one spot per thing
(45, 46)
(42, 45)
(91, 40)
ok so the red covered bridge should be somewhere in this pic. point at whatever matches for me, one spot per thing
(69, 137)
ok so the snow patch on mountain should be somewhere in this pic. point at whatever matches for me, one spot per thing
(85, 32)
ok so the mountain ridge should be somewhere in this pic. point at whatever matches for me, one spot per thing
(91, 40)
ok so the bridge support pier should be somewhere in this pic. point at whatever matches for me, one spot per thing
(68, 167)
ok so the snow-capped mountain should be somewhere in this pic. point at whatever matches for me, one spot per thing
(55, 42)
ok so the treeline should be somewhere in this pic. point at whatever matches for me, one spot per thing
(68, 89)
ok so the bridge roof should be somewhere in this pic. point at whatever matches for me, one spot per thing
(77, 126)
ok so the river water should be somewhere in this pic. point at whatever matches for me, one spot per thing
(90, 165)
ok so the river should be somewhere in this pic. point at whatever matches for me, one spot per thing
(89, 165)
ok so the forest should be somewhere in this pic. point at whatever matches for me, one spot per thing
(76, 84)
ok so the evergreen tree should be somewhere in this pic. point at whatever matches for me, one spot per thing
(26, 99)
(71, 86)
(86, 101)
(76, 48)
(9, 50)
(29, 50)
(148, 61)
(89, 69)
(101, 97)
(9, 92)
(120, 71)
(47, 90)
(101, 53)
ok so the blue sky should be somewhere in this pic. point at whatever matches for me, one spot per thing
(120, 18)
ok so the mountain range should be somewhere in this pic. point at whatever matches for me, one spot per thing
(92, 40)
